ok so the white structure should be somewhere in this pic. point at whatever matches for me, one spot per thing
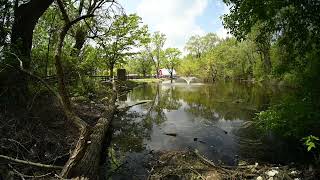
(166, 73)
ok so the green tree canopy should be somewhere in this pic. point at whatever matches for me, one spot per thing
(155, 48)
(197, 45)
(121, 37)
(171, 60)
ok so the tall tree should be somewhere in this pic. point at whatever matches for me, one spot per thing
(155, 47)
(293, 23)
(84, 160)
(198, 45)
(171, 60)
(140, 63)
(26, 16)
(44, 39)
(124, 33)
(194, 46)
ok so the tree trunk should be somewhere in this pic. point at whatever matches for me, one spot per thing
(86, 158)
(264, 50)
(111, 70)
(66, 104)
(213, 73)
(158, 62)
(266, 60)
(60, 73)
(48, 46)
(26, 17)
(80, 38)
(157, 74)
(171, 76)
(47, 56)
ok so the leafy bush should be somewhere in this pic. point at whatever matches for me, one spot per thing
(294, 118)
(312, 143)
(290, 79)
(87, 87)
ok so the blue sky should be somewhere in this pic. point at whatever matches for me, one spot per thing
(180, 19)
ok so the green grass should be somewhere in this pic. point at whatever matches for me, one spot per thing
(146, 80)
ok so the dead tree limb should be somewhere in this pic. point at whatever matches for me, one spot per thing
(123, 109)
(28, 176)
(30, 163)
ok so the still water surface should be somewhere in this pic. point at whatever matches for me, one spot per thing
(209, 118)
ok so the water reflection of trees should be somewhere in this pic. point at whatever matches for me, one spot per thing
(221, 100)
(129, 133)
(135, 127)
(164, 99)
(225, 100)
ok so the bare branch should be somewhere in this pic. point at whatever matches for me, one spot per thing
(30, 163)
(28, 176)
(80, 7)
(79, 19)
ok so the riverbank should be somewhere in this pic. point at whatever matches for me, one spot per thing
(150, 80)
(36, 142)
(192, 165)
(212, 118)
(48, 138)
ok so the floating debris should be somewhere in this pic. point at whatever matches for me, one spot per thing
(171, 134)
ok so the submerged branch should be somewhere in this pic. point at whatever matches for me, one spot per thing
(136, 104)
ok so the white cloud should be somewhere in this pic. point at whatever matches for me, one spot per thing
(176, 19)
(223, 33)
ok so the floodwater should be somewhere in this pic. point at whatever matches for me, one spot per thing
(209, 118)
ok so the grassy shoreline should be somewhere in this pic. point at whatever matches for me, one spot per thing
(146, 80)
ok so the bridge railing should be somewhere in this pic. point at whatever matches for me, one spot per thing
(102, 78)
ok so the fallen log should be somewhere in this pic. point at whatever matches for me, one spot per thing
(85, 158)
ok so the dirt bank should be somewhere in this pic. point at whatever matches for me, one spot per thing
(191, 165)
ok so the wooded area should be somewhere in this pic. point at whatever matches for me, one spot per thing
(45, 126)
